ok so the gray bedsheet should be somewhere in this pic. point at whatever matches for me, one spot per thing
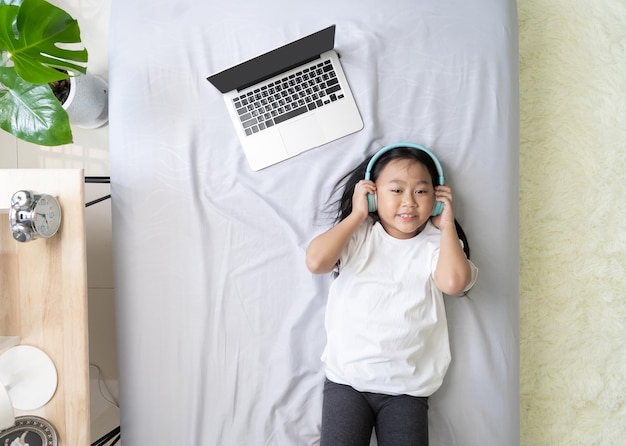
(220, 325)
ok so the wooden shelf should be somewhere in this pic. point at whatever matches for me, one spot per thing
(44, 295)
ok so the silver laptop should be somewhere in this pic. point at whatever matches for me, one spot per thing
(289, 100)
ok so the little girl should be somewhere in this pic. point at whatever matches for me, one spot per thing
(387, 339)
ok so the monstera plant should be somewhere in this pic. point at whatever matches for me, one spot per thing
(40, 44)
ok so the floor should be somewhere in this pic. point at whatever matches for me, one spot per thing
(90, 152)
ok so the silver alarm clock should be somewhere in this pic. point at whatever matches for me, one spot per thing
(34, 215)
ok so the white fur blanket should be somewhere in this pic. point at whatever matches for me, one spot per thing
(572, 222)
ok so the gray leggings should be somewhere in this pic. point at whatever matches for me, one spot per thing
(348, 417)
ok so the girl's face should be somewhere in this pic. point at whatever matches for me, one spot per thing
(405, 197)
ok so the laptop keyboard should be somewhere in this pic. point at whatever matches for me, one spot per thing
(286, 98)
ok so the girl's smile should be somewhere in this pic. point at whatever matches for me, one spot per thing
(407, 217)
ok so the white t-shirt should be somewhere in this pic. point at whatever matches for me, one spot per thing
(385, 318)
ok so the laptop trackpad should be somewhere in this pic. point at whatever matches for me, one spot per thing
(303, 134)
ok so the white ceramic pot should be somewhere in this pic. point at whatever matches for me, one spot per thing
(88, 102)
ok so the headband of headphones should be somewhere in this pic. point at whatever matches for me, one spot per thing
(371, 198)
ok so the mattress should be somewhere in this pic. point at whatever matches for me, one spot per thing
(220, 325)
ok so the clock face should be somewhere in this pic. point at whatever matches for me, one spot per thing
(47, 216)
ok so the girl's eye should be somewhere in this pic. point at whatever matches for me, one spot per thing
(396, 191)
(420, 192)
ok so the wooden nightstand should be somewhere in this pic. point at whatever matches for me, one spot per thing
(43, 291)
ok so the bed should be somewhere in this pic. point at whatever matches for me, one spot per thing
(220, 325)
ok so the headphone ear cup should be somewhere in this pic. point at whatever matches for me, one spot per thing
(372, 202)
(438, 209)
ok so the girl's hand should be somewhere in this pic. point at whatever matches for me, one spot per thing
(453, 272)
(359, 197)
(324, 251)
(444, 194)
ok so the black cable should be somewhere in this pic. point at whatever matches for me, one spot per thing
(97, 179)
(109, 437)
(98, 200)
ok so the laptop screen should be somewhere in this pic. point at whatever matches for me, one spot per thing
(274, 62)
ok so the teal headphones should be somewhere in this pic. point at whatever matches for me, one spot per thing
(372, 201)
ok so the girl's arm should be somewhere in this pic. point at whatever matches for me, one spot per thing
(324, 251)
(453, 272)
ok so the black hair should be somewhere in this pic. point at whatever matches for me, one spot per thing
(349, 181)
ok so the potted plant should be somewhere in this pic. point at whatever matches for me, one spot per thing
(40, 44)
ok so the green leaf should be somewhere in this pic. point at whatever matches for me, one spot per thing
(41, 39)
(31, 112)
